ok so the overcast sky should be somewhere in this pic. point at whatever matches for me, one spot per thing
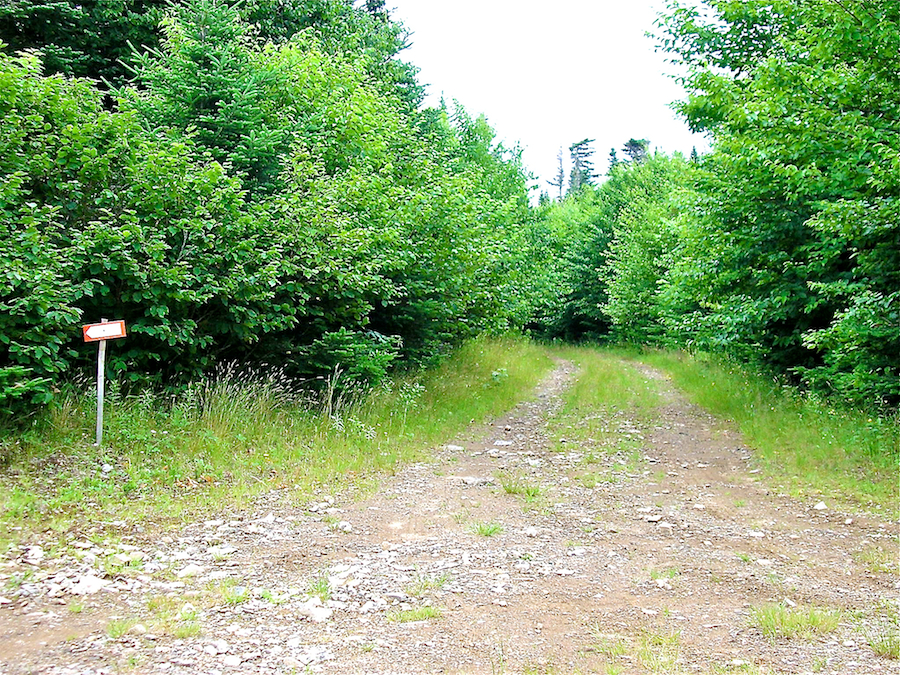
(549, 74)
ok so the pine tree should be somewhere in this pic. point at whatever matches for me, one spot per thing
(582, 167)
(560, 181)
(637, 149)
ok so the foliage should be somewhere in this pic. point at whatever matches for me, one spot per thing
(794, 261)
(248, 201)
(101, 38)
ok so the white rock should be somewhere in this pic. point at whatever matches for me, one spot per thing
(88, 585)
(190, 570)
(455, 448)
(232, 661)
(821, 506)
(531, 531)
(313, 610)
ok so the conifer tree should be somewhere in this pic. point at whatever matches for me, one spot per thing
(582, 167)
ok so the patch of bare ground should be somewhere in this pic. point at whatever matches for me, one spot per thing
(503, 555)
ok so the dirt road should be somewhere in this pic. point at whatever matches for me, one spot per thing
(514, 551)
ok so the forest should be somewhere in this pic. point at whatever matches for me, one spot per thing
(260, 183)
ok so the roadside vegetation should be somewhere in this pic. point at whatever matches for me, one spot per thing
(239, 434)
(814, 445)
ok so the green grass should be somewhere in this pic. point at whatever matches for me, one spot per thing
(814, 446)
(320, 587)
(514, 484)
(422, 584)
(781, 621)
(416, 614)
(116, 628)
(488, 529)
(235, 435)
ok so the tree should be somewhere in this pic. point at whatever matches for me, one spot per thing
(637, 150)
(559, 181)
(796, 260)
(88, 38)
(613, 160)
(582, 172)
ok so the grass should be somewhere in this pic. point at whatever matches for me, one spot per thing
(237, 434)
(603, 413)
(320, 587)
(422, 584)
(810, 444)
(657, 651)
(416, 614)
(781, 621)
(116, 628)
(486, 529)
(878, 559)
(514, 484)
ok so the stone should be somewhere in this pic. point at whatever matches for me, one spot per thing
(88, 585)
(232, 661)
(190, 570)
(821, 506)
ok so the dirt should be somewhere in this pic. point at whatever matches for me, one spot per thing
(532, 554)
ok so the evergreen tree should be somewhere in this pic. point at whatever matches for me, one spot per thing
(637, 149)
(582, 173)
(559, 181)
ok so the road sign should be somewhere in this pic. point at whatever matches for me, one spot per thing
(103, 331)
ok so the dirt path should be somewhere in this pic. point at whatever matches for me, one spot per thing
(501, 556)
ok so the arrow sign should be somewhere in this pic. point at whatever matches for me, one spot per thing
(103, 331)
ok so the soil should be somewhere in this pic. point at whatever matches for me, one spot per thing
(509, 552)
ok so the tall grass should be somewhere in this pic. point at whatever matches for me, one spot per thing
(241, 432)
(810, 443)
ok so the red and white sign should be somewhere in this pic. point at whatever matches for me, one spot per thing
(108, 330)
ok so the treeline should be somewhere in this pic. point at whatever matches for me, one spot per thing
(259, 182)
(781, 246)
(248, 182)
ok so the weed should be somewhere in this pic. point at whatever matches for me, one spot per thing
(609, 645)
(659, 651)
(878, 559)
(238, 432)
(187, 629)
(423, 584)
(486, 529)
(416, 614)
(885, 643)
(777, 620)
(516, 485)
(663, 574)
(807, 442)
(75, 606)
(320, 587)
(116, 628)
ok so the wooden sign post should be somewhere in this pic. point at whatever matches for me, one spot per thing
(101, 332)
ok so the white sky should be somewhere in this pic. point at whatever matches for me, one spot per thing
(549, 74)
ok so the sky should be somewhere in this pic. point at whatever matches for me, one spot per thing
(548, 74)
